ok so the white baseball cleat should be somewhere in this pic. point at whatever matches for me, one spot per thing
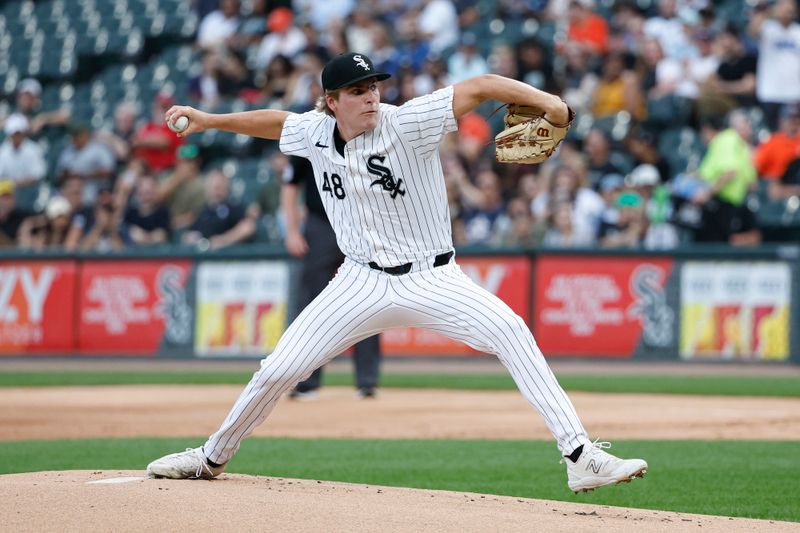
(597, 468)
(191, 464)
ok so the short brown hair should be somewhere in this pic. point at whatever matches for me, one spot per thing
(322, 102)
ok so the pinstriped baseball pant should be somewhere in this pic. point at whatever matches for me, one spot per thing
(360, 302)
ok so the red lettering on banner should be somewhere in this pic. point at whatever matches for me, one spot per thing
(601, 306)
(127, 306)
(582, 300)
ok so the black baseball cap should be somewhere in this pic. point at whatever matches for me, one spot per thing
(347, 69)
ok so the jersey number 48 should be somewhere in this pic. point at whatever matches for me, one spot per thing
(337, 189)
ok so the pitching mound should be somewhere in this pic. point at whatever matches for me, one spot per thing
(125, 501)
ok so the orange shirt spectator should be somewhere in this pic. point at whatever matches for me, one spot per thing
(587, 27)
(773, 156)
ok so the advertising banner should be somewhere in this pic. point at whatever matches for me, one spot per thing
(241, 308)
(134, 307)
(735, 310)
(507, 277)
(604, 306)
(37, 307)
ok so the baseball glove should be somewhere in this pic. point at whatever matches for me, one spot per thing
(529, 137)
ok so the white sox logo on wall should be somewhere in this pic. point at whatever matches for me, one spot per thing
(360, 62)
(385, 177)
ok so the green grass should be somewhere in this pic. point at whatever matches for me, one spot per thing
(716, 385)
(747, 479)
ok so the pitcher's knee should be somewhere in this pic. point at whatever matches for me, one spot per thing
(516, 328)
(280, 377)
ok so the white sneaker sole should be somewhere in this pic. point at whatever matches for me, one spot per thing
(589, 484)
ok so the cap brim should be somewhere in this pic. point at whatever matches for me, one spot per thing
(380, 76)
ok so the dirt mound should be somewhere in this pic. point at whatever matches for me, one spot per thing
(126, 501)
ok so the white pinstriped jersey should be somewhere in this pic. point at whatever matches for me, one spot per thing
(386, 197)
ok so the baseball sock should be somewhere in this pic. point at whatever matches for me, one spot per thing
(210, 462)
(575, 454)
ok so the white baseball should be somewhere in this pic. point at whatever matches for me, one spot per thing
(179, 125)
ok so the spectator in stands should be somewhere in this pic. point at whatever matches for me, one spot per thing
(562, 231)
(630, 227)
(789, 185)
(587, 32)
(483, 206)
(617, 90)
(610, 187)
(772, 157)
(734, 83)
(224, 75)
(518, 227)
(503, 61)
(585, 205)
(118, 138)
(21, 159)
(432, 77)
(530, 186)
(72, 190)
(220, 223)
(437, 23)
(154, 142)
(533, 64)
(322, 14)
(304, 86)
(454, 172)
(219, 25)
(278, 82)
(48, 230)
(412, 50)
(283, 38)
(147, 221)
(668, 29)
(29, 92)
(597, 147)
(473, 137)
(699, 68)
(643, 146)
(728, 171)
(384, 53)
(11, 217)
(87, 159)
(627, 28)
(182, 191)
(660, 234)
(97, 227)
(466, 62)
(252, 28)
(359, 30)
(778, 69)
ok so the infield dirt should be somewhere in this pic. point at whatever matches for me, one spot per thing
(197, 410)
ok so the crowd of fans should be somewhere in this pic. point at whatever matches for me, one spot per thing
(634, 71)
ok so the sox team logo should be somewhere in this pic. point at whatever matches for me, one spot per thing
(360, 62)
(385, 177)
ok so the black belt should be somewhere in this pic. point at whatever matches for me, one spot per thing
(439, 260)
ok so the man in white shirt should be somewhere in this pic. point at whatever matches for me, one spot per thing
(380, 177)
(778, 70)
(218, 25)
(21, 159)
